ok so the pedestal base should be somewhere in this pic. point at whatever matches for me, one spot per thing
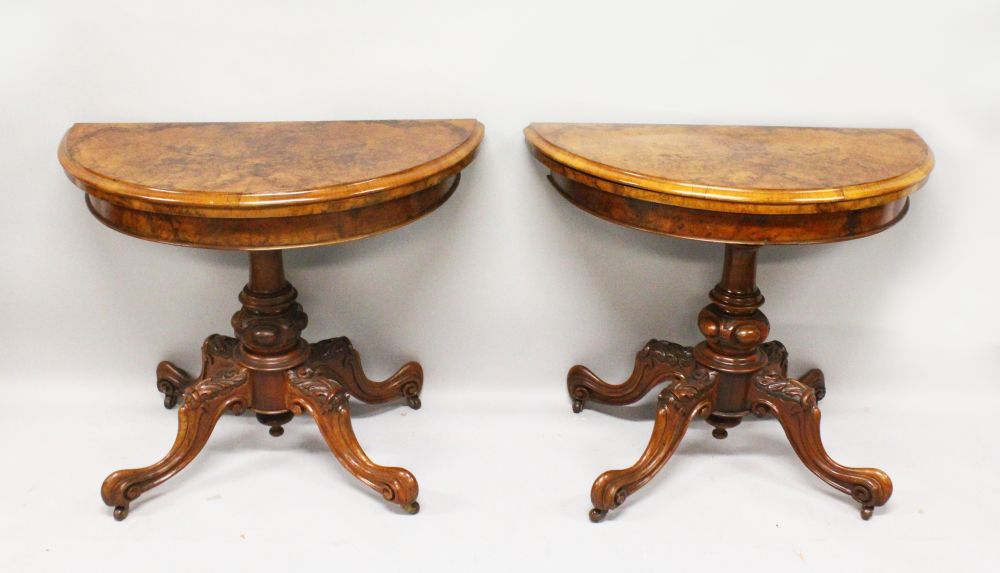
(269, 369)
(731, 374)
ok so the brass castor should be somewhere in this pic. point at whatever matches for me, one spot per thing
(276, 431)
(719, 433)
(121, 512)
(598, 515)
(577, 406)
(413, 402)
(412, 508)
(867, 511)
(169, 400)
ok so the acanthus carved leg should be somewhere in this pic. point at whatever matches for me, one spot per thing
(794, 404)
(310, 390)
(679, 403)
(777, 357)
(204, 402)
(657, 362)
(216, 355)
(337, 359)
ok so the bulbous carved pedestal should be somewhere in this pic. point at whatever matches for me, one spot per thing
(270, 369)
(732, 373)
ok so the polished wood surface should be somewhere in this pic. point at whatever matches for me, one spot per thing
(270, 369)
(266, 185)
(740, 169)
(730, 374)
(745, 187)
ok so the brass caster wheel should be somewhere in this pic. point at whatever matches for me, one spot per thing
(719, 433)
(121, 512)
(413, 402)
(867, 511)
(412, 508)
(169, 396)
(577, 406)
(598, 515)
(276, 431)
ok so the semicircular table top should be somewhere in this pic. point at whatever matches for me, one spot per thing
(724, 171)
(363, 176)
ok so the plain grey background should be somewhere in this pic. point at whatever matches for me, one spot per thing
(502, 289)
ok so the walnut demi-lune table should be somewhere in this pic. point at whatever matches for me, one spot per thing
(261, 188)
(745, 187)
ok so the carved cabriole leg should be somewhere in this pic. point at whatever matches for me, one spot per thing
(270, 369)
(679, 403)
(338, 360)
(794, 404)
(310, 391)
(204, 402)
(656, 363)
(216, 355)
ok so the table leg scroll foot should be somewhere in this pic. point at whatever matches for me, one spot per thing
(311, 391)
(171, 381)
(794, 404)
(679, 403)
(216, 355)
(815, 380)
(337, 359)
(658, 362)
(203, 403)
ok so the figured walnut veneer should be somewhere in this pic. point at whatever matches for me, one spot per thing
(790, 185)
(263, 187)
(266, 185)
(744, 186)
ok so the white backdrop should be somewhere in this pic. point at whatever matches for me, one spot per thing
(502, 289)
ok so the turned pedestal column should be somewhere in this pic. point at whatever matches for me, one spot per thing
(732, 373)
(264, 187)
(270, 369)
(745, 187)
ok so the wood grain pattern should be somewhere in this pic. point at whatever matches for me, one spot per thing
(743, 186)
(727, 227)
(263, 188)
(259, 186)
(247, 165)
(738, 169)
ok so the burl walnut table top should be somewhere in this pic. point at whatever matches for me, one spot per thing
(752, 185)
(266, 185)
